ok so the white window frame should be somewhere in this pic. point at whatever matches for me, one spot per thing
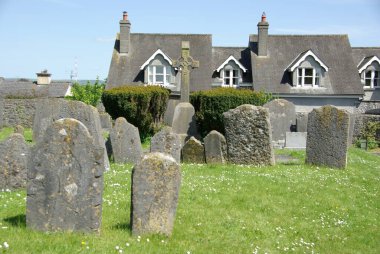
(152, 75)
(374, 81)
(316, 77)
(231, 77)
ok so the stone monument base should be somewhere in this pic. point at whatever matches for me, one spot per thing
(184, 122)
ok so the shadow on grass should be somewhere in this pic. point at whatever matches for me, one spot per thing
(16, 221)
(123, 226)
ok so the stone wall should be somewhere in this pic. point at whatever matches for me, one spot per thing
(360, 122)
(365, 106)
(18, 112)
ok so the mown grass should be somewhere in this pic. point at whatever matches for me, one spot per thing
(230, 209)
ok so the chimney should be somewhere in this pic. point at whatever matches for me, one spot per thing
(262, 44)
(125, 27)
(43, 78)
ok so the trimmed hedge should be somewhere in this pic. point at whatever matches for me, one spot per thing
(211, 104)
(142, 106)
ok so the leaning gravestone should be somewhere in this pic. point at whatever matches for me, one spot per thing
(156, 180)
(50, 110)
(282, 114)
(65, 180)
(13, 162)
(166, 141)
(125, 141)
(215, 148)
(327, 137)
(249, 135)
(193, 151)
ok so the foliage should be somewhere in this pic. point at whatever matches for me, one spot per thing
(370, 133)
(229, 209)
(89, 93)
(142, 106)
(7, 131)
(210, 105)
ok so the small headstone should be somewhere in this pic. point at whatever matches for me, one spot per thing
(249, 135)
(193, 151)
(282, 114)
(184, 123)
(13, 162)
(301, 121)
(215, 148)
(65, 180)
(125, 141)
(166, 141)
(295, 140)
(105, 121)
(156, 181)
(50, 110)
(19, 129)
(327, 137)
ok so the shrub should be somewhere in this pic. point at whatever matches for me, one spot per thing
(142, 106)
(210, 105)
(370, 134)
(89, 94)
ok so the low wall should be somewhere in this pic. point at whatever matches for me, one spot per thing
(360, 122)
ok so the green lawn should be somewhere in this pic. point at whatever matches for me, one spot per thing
(230, 209)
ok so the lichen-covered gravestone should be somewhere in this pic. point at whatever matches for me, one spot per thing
(166, 141)
(156, 181)
(50, 110)
(184, 121)
(193, 151)
(13, 162)
(65, 180)
(125, 141)
(215, 148)
(282, 114)
(19, 129)
(327, 137)
(249, 135)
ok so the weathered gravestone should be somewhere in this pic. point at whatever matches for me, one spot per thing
(105, 121)
(282, 114)
(166, 141)
(19, 129)
(249, 135)
(215, 148)
(327, 137)
(301, 121)
(13, 162)
(156, 181)
(193, 151)
(125, 141)
(65, 180)
(51, 110)
(184, 123)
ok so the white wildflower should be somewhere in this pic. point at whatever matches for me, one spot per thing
(6, 245)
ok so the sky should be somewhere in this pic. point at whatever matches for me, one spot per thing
(60, 34)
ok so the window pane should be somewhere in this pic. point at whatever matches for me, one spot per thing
(368, 82)
(150, 69)
(376, 82)
(159, 69)
(227, 73)
(299, 72)
(160, 78)
(235, 81)
(227, 81)
(308, 81)
(368, 74)
(167, 78)
(299, 81)
(236, 73)
(317, 81)
(308, 72)
(376, 74)
(150, 79)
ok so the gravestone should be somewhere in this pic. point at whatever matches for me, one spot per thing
(327, 137)
(51, 110)
(295, 140)
(19, 129)
(105, 121)
(65, 180)
(125, 141)
(13, 162)
(215, 148)
(193, 151)
(301, 121)
(166, 141)
(156, 181)
(248, 135)
(184, 123)
(282, 114)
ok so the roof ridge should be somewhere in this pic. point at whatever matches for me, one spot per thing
(176, 34)
(365, 47)
(228, 47)
(304, 35)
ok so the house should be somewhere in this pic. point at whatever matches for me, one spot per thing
(308, 70)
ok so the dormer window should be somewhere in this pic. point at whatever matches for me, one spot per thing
(231, 72)
(308, 70)
(158, 70)
(369, 70)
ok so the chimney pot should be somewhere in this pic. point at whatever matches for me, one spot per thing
(264, 17)
(125, 15)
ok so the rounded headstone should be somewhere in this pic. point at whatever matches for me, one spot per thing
(166, 141)
(215, 148)
(193, 151)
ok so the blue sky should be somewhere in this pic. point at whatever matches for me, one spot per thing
(54, 34)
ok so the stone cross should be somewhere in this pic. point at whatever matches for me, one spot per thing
(184, 63)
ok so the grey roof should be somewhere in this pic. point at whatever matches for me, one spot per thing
(359, 53)
(269, 73)
(23, 88)
(125, 69)
(242, 54)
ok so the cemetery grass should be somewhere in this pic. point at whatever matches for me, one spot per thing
(230, 209)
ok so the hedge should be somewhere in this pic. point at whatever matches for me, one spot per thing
(211, 104)
(142, 106)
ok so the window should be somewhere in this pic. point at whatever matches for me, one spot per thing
(308, 77)
(371, 78)
(231, 77)
(159, 74)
